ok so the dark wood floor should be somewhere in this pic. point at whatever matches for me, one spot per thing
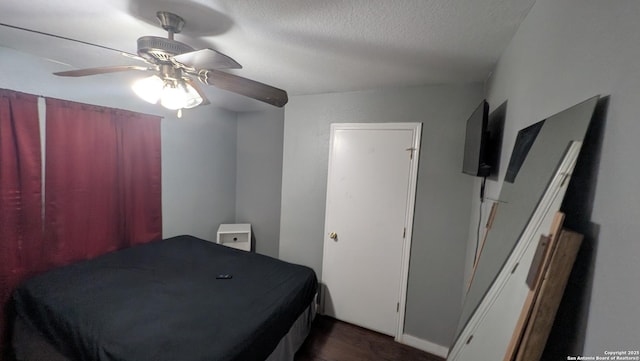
(332, 340)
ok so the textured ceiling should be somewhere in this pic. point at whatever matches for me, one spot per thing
(304, 46)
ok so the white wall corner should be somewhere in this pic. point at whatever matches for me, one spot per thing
(424, 345)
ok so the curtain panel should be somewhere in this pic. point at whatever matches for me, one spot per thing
(82, 215)
(102, 180)
(21, 241)
(140, 167)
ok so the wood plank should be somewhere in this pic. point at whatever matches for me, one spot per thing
(492, 216)
(554, 235)
(550, 295)
(534, 288)
(535, 271)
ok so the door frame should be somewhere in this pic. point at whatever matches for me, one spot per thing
(414, 148)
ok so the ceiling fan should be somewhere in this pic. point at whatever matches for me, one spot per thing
(176, 66)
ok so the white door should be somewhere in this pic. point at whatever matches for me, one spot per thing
(370, 199)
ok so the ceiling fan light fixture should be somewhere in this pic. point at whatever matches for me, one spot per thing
(173, 97)
(149, 89)
(170, 93)
(179, 95)
(193, 98)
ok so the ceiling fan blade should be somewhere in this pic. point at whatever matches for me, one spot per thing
(100, 70)
(136, 57)
(65, 38)
(197, 87)
(244, 86)
(207, 59)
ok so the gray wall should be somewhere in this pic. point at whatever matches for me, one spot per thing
(564, 52)
(198, 172)
(259, 176)
(443, 195)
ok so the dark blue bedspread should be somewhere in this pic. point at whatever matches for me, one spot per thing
(162, 301)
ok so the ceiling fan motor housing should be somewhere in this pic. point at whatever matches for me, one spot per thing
(156, 49)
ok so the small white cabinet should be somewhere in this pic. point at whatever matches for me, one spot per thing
(235, 235)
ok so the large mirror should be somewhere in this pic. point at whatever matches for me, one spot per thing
(536, 155)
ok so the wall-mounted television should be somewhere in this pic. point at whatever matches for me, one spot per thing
(476, 155)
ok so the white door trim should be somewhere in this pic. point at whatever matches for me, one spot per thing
(406, 252)
(416, 128)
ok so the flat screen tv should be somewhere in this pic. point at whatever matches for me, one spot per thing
(475, 161)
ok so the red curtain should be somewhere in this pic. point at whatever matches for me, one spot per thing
(140, 166)
(20, 197)
(82, 218)
(102, 180)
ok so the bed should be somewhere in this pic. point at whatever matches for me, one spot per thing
(163, 301)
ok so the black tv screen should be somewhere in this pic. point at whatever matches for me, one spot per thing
(475, 145)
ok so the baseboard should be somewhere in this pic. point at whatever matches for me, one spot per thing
(424, 345)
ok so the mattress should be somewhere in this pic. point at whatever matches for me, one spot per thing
(162, 301)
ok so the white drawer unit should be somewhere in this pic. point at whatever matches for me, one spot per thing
(235, 235)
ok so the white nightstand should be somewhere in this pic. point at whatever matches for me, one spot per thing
(235, 235)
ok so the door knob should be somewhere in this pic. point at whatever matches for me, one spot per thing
(333, 235)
